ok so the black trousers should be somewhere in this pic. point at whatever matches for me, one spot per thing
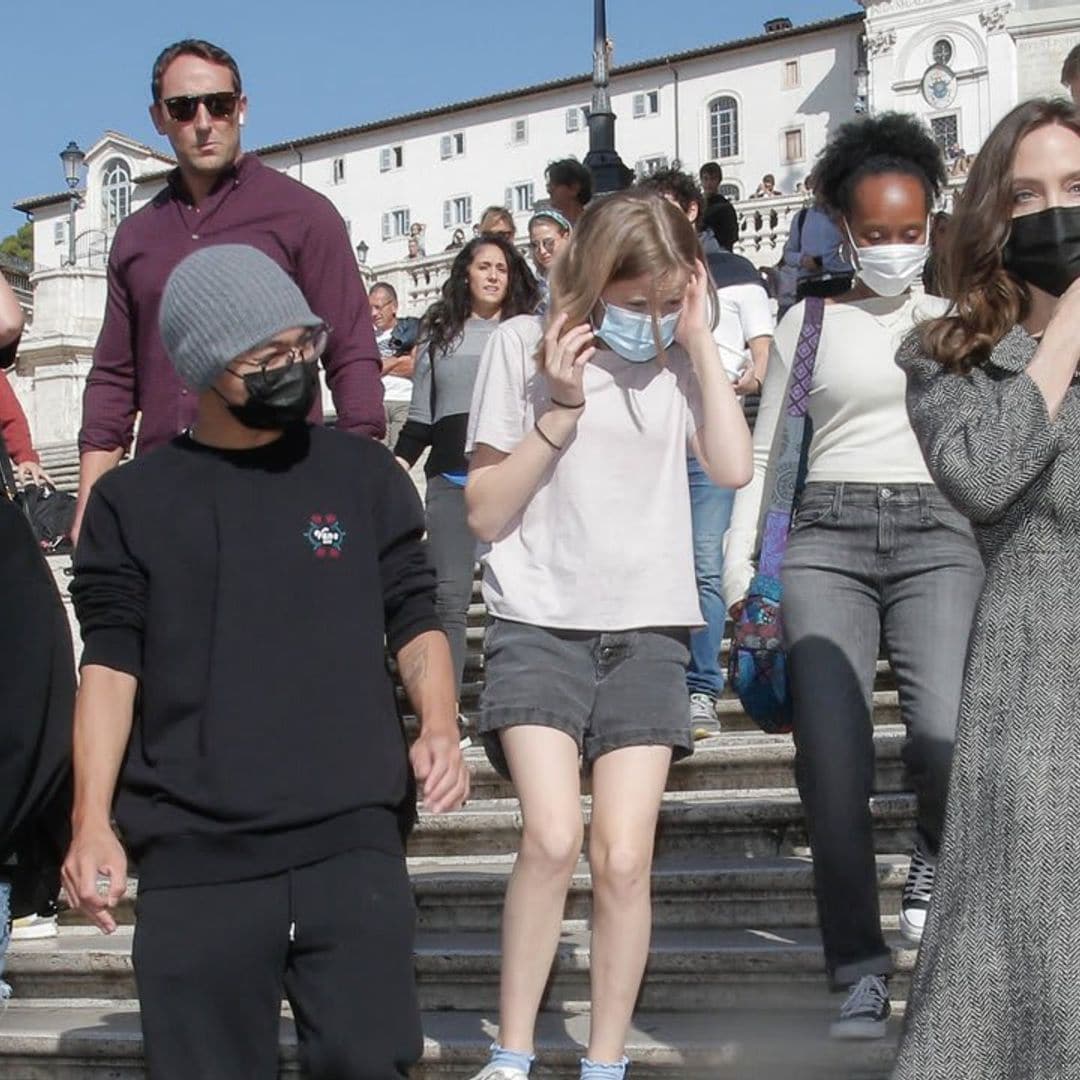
(212, 963)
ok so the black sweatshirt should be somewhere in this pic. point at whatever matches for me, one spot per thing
(250, 592)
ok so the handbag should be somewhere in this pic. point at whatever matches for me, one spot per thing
(757, 665)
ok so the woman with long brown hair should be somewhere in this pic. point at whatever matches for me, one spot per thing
(577, 484)
(993, 399)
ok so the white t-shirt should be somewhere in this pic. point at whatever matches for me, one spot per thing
(605, 541)
(857, 405)
(395, 387)
(745, 313)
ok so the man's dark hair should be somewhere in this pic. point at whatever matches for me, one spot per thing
(386, 287)
(677, 185)
(890, 142)
(710, 168)
(191, 47)
(1070, 70)
(444, 322)
(570, 172)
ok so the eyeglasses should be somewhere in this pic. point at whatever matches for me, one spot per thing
(220, 105)
(308, 349)
(547, 244)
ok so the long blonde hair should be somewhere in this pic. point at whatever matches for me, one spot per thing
(617, 238)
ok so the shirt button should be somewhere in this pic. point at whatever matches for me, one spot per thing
(194, 236)
(184, 393)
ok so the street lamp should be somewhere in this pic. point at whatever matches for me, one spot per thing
(73, 159)
(603, 161)
(362, 250)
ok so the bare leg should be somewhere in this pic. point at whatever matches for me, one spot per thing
(627, 787)
(544, 767)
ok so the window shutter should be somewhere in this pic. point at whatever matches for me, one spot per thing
(445, 147)
(467, 219)
(508, 200)
(446, 214)
(386, 226)
(639, 106)
(384, 160)
(654, 101)
(571, 120)
(406, 220)
(399, 156)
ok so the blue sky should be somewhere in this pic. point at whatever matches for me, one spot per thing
(313, 65)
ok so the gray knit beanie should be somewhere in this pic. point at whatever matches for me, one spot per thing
(223, 301)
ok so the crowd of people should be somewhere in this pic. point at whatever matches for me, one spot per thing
(612, 409)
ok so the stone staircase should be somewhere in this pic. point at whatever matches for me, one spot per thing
(734, 986)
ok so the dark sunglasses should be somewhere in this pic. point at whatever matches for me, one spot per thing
(220, 105)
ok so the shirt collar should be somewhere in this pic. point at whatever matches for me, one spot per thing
(237, 173)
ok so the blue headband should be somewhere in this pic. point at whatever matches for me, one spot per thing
(554, 215)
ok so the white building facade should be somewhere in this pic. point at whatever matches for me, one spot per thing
(760, 105)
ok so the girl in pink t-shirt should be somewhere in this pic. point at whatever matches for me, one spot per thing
(577, 485)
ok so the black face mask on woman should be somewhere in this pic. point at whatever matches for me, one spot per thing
(279, 397)
(1044, 248)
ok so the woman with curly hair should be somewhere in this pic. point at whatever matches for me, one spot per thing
(489, 282)
(994, 400)
(876, 553)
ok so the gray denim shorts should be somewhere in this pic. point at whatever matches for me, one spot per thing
(605, 690)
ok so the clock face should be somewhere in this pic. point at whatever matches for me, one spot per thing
(939, 87)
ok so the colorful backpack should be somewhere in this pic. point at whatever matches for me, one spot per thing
(757, 666)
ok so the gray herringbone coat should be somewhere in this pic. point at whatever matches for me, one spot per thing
(996, 994)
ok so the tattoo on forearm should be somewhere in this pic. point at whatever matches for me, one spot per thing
(414, 667)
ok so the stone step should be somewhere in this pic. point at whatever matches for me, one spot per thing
(57, 1040)
(751, 823)
(688, 970)
(732, 761)
(688, 891)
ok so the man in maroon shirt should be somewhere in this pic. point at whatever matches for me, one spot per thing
(216, 195)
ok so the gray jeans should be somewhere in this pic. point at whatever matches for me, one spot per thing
(868, 564)
(453, 550)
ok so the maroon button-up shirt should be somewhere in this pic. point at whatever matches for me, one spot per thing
(252, 204)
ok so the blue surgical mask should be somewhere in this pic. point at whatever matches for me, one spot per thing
(630, 333)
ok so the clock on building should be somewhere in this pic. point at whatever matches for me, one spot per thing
(939, 86)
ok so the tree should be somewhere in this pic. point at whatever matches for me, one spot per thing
(20, 245)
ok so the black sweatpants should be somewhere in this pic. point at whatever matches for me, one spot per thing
(212, 963)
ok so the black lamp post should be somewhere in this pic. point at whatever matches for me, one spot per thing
(603, 161)
(862, 80)
(362, 250)
(73, 159)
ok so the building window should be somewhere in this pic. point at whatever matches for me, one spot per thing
(942, 52)
(648, 165)
(791, 74)
(391, 157)
(731, 192)
(946, 132)
(793, 146)
(457, 211)
(59, 232)
(519, 132)
(647, 104)
(115, 193)
(338, 170)
(451, 146)
(519, 198)
(395, 223)
(724, 128)
(577, 118)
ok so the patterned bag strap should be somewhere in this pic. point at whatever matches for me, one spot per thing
(793, 441)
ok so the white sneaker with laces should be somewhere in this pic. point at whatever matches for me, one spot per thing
(500, 1072)
(33, 927)
(703, 721)
(865, 1012)
(918, 891)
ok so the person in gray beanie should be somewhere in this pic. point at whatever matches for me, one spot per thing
(239, 582)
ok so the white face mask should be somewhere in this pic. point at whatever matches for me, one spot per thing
(889, 269)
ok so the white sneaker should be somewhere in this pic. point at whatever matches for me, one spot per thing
(33, 927)
(703, 721)
(866, 1011)
(918, 891)
(464, 738)
(500, 1072)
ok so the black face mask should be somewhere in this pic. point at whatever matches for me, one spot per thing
(278, 398)
(1044, 248)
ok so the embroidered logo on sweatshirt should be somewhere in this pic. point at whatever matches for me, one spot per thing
(325, 535)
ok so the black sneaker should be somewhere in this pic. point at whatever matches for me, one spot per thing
(865, 1012)
(918, 890)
